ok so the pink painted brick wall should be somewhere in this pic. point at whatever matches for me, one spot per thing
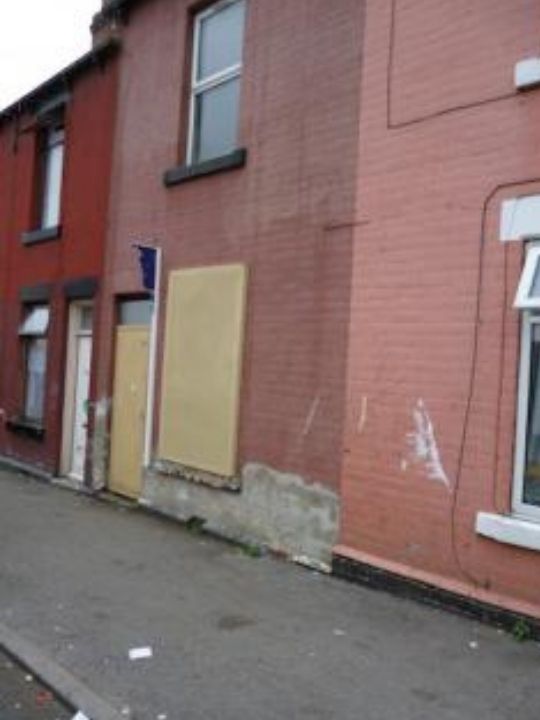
(441, 129)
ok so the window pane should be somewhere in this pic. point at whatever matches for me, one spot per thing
(36, 361)
(220, 40)
(531, 482)
(86, 316)
(135, 312)
(216, 121)
(52, 180)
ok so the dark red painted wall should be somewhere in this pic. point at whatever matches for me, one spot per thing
(76, 254)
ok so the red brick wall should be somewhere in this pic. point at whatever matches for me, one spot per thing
(285, 214)
(441, 129)
(79, 252)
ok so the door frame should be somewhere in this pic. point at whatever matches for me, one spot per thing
(75, 331)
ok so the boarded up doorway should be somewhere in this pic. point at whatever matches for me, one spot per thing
(129, 398)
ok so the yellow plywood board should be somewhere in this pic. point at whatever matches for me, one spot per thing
(204, 339)
(129, 410)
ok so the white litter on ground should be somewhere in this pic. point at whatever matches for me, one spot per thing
(80, 716)
(473, 645)
(140, 653)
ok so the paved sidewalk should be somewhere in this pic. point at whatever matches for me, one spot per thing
(23, 697)
(233, 637)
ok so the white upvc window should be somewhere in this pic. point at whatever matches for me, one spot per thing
(215, 83)
(33, 332)
(52, 175)
(528, 292)
(526, 490)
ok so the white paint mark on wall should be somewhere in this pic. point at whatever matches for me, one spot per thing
(311, 416)
(362, 415)
(424, 445)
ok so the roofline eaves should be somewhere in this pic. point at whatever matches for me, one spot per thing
(57, 83)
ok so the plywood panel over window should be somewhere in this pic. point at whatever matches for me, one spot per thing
(202, 367)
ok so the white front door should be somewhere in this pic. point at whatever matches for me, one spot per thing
(80, 410)
(77, 391)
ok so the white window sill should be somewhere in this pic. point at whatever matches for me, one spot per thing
(509, 530)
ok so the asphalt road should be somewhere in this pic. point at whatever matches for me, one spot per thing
(234, 636)
(23, 697)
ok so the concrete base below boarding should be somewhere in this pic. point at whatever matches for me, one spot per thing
(275, 509)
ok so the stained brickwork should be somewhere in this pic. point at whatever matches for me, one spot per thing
(285, 213)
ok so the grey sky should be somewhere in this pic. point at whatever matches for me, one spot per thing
(38, 38)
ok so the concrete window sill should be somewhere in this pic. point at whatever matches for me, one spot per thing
(23, 426)
(33, 237)
(185, 173)
(509, 530)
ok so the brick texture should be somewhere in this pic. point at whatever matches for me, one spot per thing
(444, 138)
(285, 214)
(78, 253)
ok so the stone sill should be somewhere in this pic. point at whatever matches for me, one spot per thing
(33, 237)
(23, 426)
(509, 529)
(185, 173)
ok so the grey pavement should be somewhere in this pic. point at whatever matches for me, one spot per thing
(235, 637)
(23, 697)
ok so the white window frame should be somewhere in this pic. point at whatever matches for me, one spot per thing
(198, 87)
(519, 507)
(75, 331)
(51, 204)
(523, 299)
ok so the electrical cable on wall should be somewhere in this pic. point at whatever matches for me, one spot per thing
(390, 124)
(472, 377)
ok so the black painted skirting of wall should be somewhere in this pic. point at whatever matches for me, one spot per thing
(380, 579)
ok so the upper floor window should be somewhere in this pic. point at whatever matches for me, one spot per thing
(52, 170)
(215, 86)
